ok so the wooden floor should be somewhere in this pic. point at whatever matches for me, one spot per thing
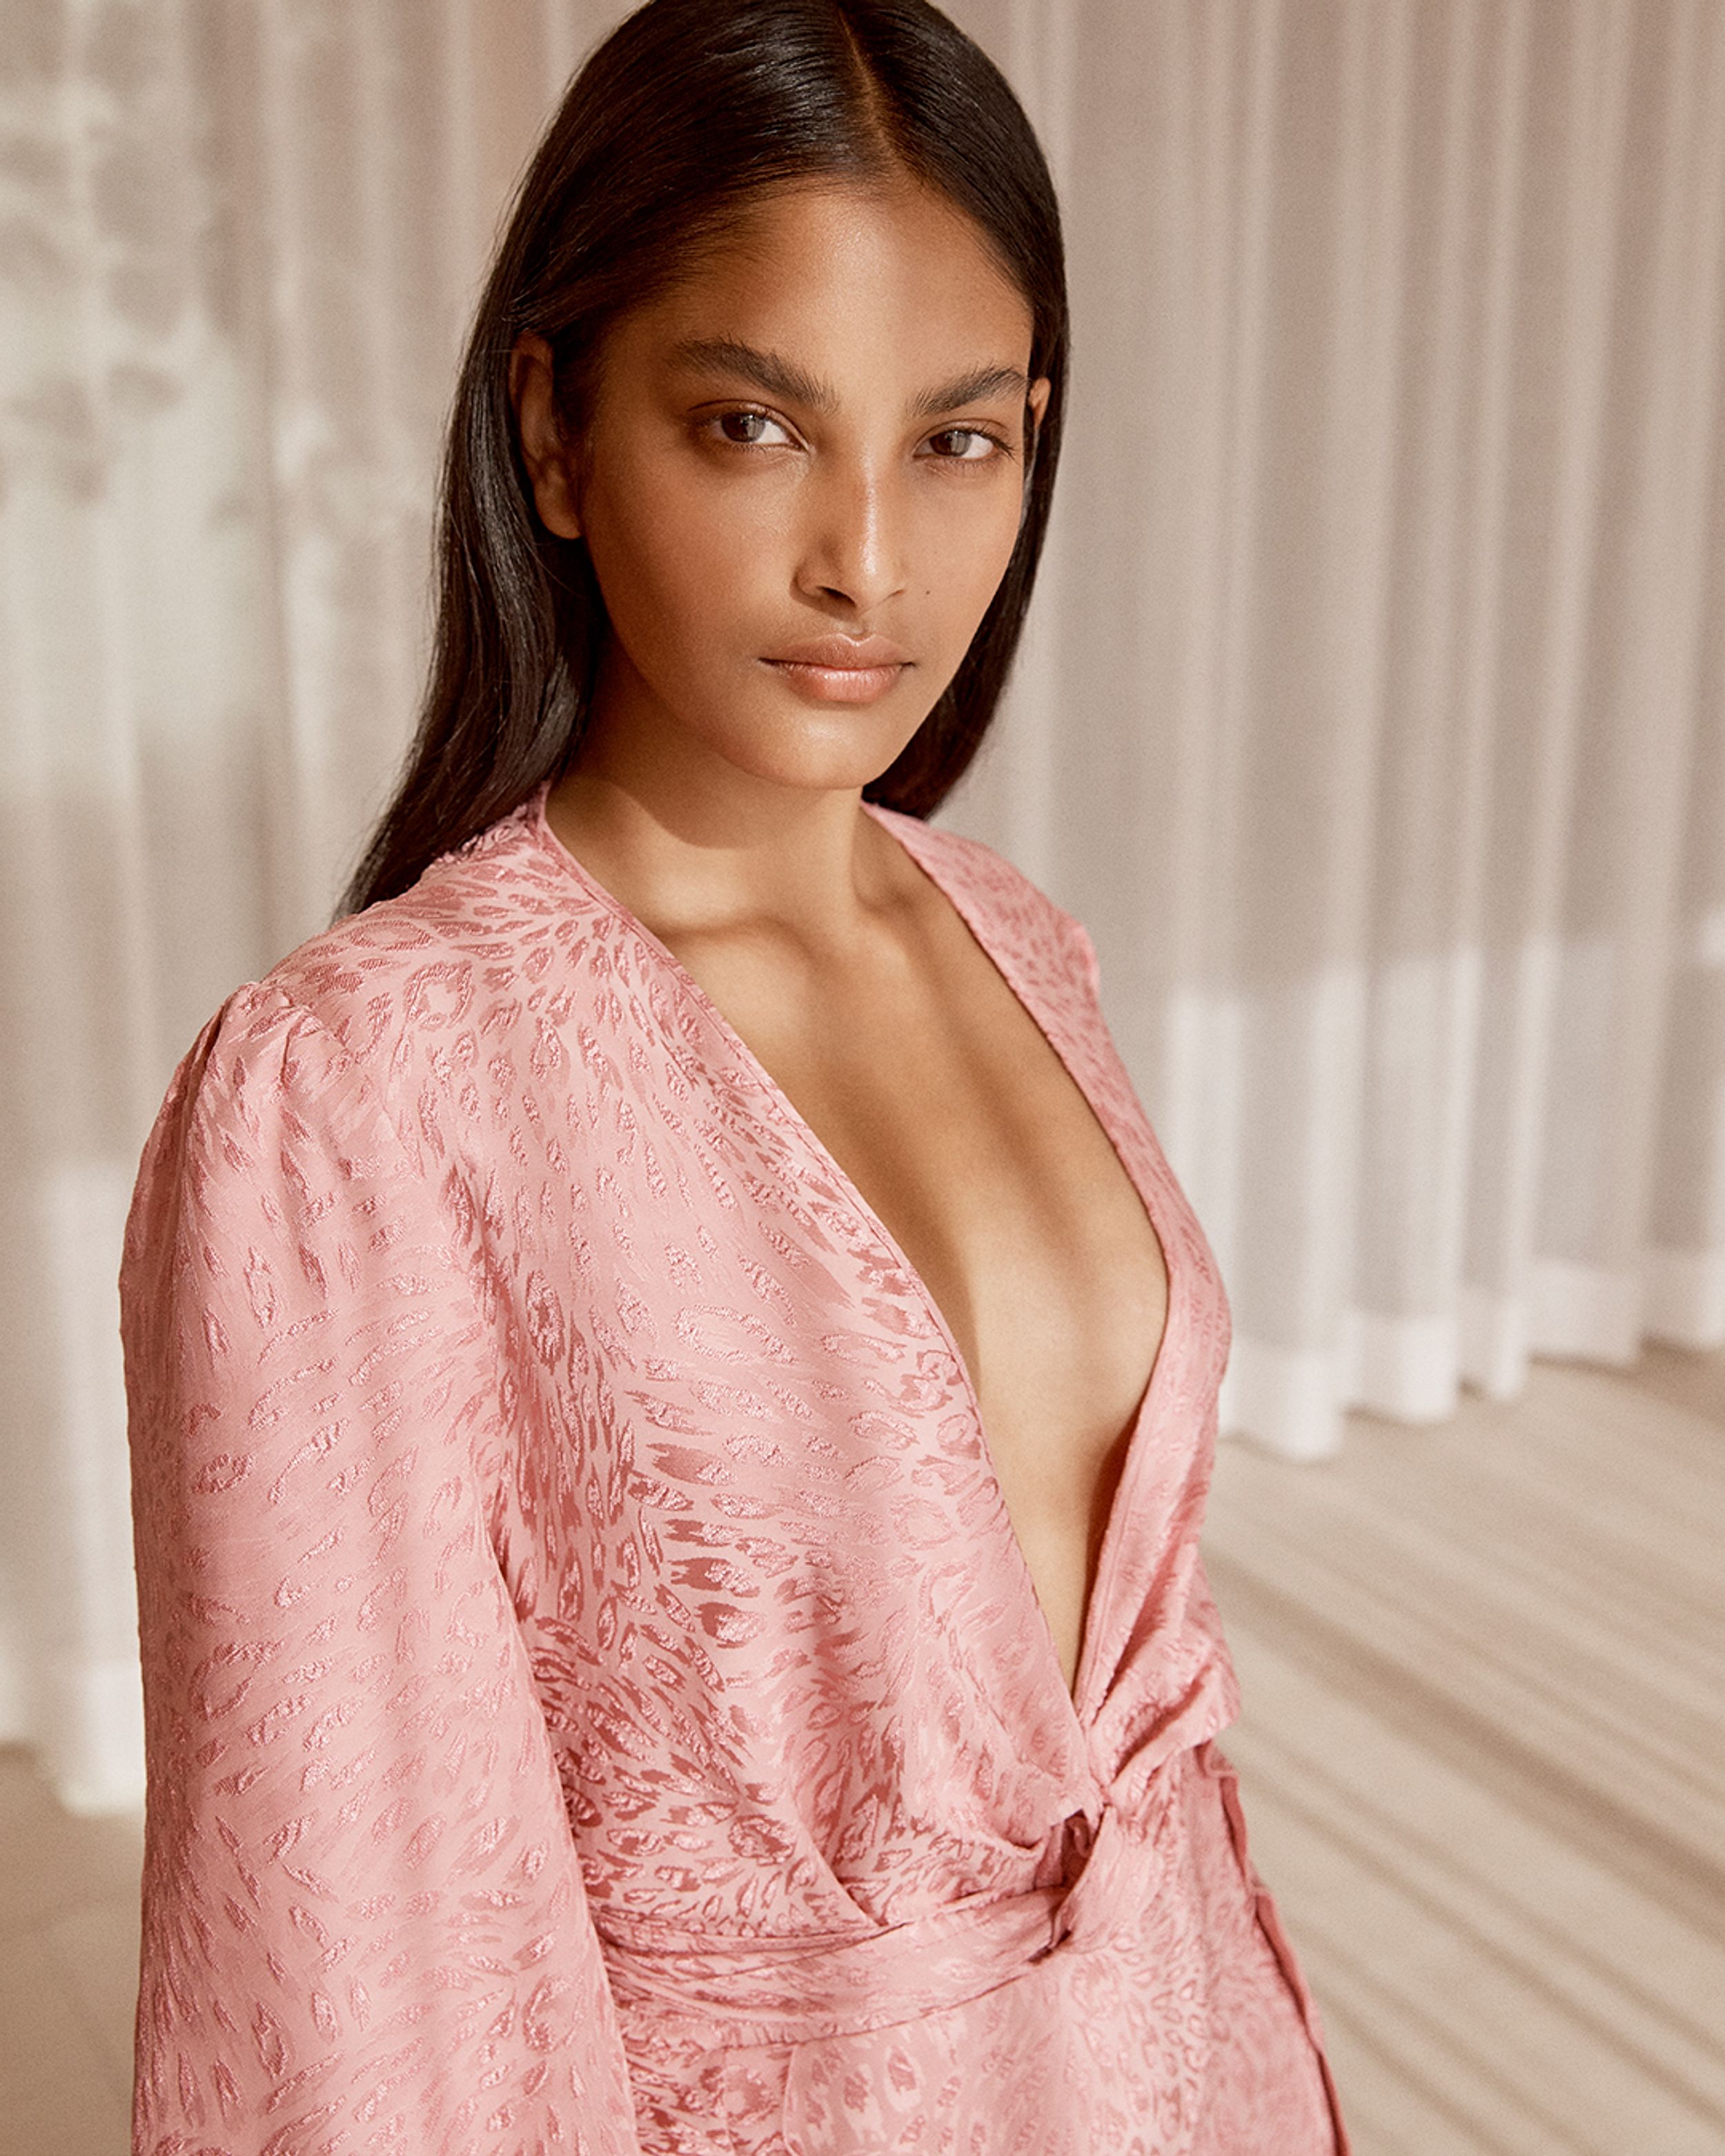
(69, 1950)
(1483, 1670)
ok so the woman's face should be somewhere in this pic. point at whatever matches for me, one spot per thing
(800, 483)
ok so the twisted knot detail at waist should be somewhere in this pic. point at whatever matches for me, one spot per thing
(797, 1990)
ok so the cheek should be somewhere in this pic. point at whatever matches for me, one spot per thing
(964, 546)
(675, 561)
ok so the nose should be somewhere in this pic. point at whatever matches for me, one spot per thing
(855, 540)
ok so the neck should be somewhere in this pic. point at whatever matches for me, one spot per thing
(691, 844)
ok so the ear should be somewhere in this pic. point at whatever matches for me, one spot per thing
(1035, 404)
(550, 461)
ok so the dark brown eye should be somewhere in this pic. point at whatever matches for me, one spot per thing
(750, 430)
(966, 446)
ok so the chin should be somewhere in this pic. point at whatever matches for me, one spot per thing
(829, 754)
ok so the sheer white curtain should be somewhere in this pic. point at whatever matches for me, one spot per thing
(1376, 716)
(1373, 714)
(238, 243)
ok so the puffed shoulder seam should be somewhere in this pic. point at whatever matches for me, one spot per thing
(258, 1010)
(288, 1012)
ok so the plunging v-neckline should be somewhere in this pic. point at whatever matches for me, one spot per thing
(1084, 1682)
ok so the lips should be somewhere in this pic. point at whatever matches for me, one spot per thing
(841, 670)
(839, 653)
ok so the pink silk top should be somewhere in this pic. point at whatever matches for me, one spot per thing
(596, 1699)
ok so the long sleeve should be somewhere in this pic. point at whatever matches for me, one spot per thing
(365, 1928)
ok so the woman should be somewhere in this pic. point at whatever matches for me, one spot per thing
(606, 1693)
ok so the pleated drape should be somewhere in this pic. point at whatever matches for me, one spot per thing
(1374, 713)
(1376, 717)
(237, 247)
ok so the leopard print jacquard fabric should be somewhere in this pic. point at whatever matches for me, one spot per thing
(596, 1701)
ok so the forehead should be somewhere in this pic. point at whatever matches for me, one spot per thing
(891, 277)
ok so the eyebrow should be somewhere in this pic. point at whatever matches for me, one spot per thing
(779, 376)
(976, 388)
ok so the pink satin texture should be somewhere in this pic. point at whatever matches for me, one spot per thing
(596, 1699)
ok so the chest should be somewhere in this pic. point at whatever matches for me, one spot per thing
(768, 1565)
(926, 1081)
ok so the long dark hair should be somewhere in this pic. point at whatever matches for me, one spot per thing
(688, 108)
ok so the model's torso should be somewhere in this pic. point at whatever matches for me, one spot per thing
(921, 1073)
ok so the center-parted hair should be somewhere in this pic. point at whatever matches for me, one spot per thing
(683, 115)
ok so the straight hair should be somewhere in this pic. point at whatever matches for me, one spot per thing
(685, 112)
